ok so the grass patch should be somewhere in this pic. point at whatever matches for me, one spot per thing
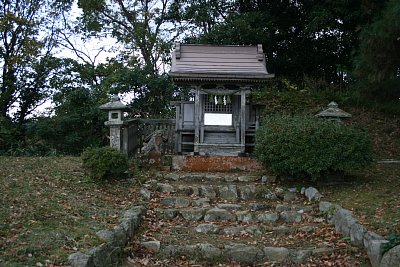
(49, 209)
(373, 195)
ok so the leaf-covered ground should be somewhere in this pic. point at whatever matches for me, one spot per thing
(49, 209)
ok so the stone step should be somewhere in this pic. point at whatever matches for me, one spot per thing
(185, 177)
(228, 191)
(242, 253)
(216, 243)
(238, 252)
(211, 219)
(215, 214)
(250, 205)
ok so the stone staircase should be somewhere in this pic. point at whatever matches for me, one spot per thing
(233, 218)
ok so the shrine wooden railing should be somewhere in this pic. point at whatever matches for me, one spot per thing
(138, 131)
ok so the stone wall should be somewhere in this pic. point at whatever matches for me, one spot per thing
(110, 252)
(347, 225)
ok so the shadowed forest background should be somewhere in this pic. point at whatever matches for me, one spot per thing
(320, 51)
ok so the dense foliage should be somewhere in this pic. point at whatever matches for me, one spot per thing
(333, 47)
(104, 163)
(308, 146)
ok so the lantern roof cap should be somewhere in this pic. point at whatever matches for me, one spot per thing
(333, 111)
(114, 104)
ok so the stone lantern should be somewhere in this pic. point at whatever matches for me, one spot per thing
(115, 110)
(333, 112)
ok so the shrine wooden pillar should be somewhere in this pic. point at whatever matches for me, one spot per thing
(243, 119)
(197, 119)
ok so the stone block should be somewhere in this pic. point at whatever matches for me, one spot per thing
(201, 202)
(357, 232)
(192, 214)
(268, 194)
(175, 202)
(128, 226)
(391, 258)
(208, 252)
(307, 229)
(253, 230)
(165, 188)
(321, 251)
(369, 236)
(374, 252)
(178, 250)
(279, 191)
(167, 214)
(268, 179)
(301, 256)
(268, 217)
(234, 230)
(343, 220)
(207, 228)
(183, 190)
(135, 215)
(247, 192)
(181, 202)
(172, 176)
(146, 194)
(290, 216)
(325, 206)
(217, 214)
(244, 216)
(289, 196)
(79, 259)
(105, 255)
(284, 230)
(208, 191)
(229, 206)
(298, 208)
(105, 235)
(228, 192)
(312, 194)
(168, 201)
(248, 178)
(120, 235)
(230, 178)
(276, 254)
(153, 246)
(259, 206)
(244, 254)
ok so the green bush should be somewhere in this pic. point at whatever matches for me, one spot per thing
(104, 162)
(309, 146)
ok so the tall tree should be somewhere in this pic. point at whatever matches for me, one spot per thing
(200, 17)
(300, 38)
(379, 55)
(147, 30)
(27, 30)
(142, 26)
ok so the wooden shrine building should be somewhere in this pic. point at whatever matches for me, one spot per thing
(216, 118)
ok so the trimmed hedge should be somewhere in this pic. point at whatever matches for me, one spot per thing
(309, 146)
(104, 162)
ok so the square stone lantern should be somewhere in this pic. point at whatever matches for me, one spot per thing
(333, 112)
(115, 110)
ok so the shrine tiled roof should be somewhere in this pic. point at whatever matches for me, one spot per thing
(210, 63)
